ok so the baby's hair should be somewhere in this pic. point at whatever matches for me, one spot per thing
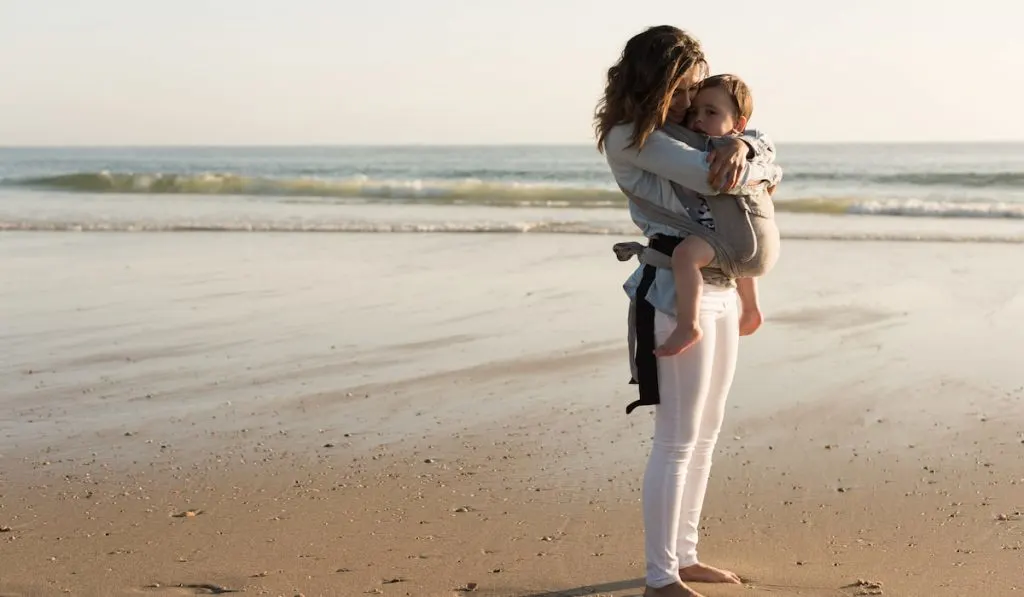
(742, 99)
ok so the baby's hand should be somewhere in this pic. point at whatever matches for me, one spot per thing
(750, 320)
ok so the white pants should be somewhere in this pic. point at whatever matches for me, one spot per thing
(692, 389)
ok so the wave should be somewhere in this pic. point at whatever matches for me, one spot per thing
(467, 192)
(1008, 179)
(904, 208)
(548, 227)
(455, 183)
(567, 227)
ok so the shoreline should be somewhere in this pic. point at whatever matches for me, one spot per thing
(64, 213)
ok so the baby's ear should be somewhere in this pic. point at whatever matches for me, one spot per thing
(741, 124)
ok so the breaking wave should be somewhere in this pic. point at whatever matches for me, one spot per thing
(1009, 179)
(468, 191)
(505, 194)
(545, 227)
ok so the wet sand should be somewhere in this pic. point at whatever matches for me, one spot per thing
(186, 414)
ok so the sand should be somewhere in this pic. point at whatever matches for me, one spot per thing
(186, 414)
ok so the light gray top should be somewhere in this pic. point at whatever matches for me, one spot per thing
(649, 173)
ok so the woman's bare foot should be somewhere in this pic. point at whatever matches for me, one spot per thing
(680, 339)
(709, 574)
(676, 590)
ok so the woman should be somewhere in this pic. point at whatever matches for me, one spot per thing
(650, 85)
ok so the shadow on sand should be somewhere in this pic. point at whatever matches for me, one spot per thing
(636, 584)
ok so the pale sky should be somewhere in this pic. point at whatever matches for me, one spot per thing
(225, 72)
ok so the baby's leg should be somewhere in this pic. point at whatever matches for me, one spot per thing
(687, 259)
(751, 317)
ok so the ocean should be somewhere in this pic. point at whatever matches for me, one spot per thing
(462, 189)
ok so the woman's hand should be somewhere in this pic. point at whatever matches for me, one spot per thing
(727, 163)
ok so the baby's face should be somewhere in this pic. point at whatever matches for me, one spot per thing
(712, 112)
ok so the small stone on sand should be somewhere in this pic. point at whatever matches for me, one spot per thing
(867, 587)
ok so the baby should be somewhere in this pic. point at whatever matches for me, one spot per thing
(722, 107)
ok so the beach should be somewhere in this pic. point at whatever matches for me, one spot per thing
(194, 413)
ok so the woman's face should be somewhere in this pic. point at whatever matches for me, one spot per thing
(683, 95)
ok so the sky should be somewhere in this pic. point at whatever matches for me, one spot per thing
(296, 72)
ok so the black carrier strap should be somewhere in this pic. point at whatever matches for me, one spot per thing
(645, 360)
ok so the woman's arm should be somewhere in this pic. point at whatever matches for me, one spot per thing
(664, 157)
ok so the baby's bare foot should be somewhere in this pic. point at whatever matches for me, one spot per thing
(680, 339)
(676, 590)
(708, 574)
(750, 321)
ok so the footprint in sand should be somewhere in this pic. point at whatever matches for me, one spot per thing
(184, 590)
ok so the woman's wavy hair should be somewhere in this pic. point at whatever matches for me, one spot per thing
(640, 85)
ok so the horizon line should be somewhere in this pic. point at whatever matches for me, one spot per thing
(426, 145)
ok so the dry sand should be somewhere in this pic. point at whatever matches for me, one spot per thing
(188, 414)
